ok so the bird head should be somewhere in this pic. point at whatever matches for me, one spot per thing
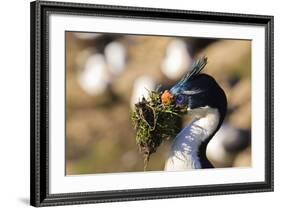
(195, 91)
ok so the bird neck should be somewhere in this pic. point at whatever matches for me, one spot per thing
(189, 148)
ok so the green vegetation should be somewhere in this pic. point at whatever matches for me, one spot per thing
(155, 122)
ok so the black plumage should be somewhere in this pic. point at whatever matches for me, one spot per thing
(197, 90)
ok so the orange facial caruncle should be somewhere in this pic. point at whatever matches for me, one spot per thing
(166, 98)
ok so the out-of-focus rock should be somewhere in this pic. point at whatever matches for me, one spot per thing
(236, 142)
(129, 159)
(243, 159)
(240, 93)
(78, 136)
(90, 125)
(144, 59)
(148, 51)
(241, 117)
(70, 167)
(86, 35)
(73, 49)
(228, 58)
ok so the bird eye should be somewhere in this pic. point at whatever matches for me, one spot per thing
(180, 100)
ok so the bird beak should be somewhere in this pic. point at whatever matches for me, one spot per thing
(166, 98)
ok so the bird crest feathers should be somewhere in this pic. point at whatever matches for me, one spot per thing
(196, 68)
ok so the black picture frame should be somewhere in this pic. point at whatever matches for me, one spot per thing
(39, 187)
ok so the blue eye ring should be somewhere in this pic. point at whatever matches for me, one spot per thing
(180, 100)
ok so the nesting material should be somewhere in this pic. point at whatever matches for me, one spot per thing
(155, 119)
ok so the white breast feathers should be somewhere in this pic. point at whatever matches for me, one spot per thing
(184, 151)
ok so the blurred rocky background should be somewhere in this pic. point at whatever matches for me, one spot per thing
(107, 73)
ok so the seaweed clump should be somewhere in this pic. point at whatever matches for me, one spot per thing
(155, 120)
